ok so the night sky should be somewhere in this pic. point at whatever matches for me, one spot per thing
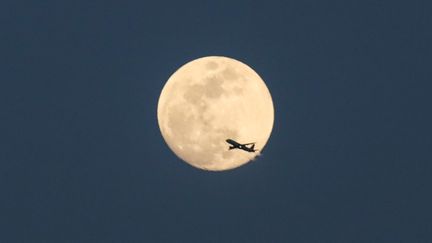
(82, 158)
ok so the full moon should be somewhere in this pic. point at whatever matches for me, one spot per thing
(212, 99)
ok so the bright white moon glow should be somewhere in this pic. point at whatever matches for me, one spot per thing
(209, 100)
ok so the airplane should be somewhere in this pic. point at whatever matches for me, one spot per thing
(235, 145)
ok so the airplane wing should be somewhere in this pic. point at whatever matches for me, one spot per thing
(248, 143)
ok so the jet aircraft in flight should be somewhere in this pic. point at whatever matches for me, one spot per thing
(245, 147)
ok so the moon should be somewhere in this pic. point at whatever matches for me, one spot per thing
(209, 100)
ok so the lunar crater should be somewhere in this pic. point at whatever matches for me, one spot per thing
(230, 74)
(211, 65)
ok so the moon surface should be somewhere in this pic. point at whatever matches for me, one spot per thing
(209, 100)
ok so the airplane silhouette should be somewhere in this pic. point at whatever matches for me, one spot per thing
(235, 145)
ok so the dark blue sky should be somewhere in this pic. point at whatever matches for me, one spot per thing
(82, 158)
